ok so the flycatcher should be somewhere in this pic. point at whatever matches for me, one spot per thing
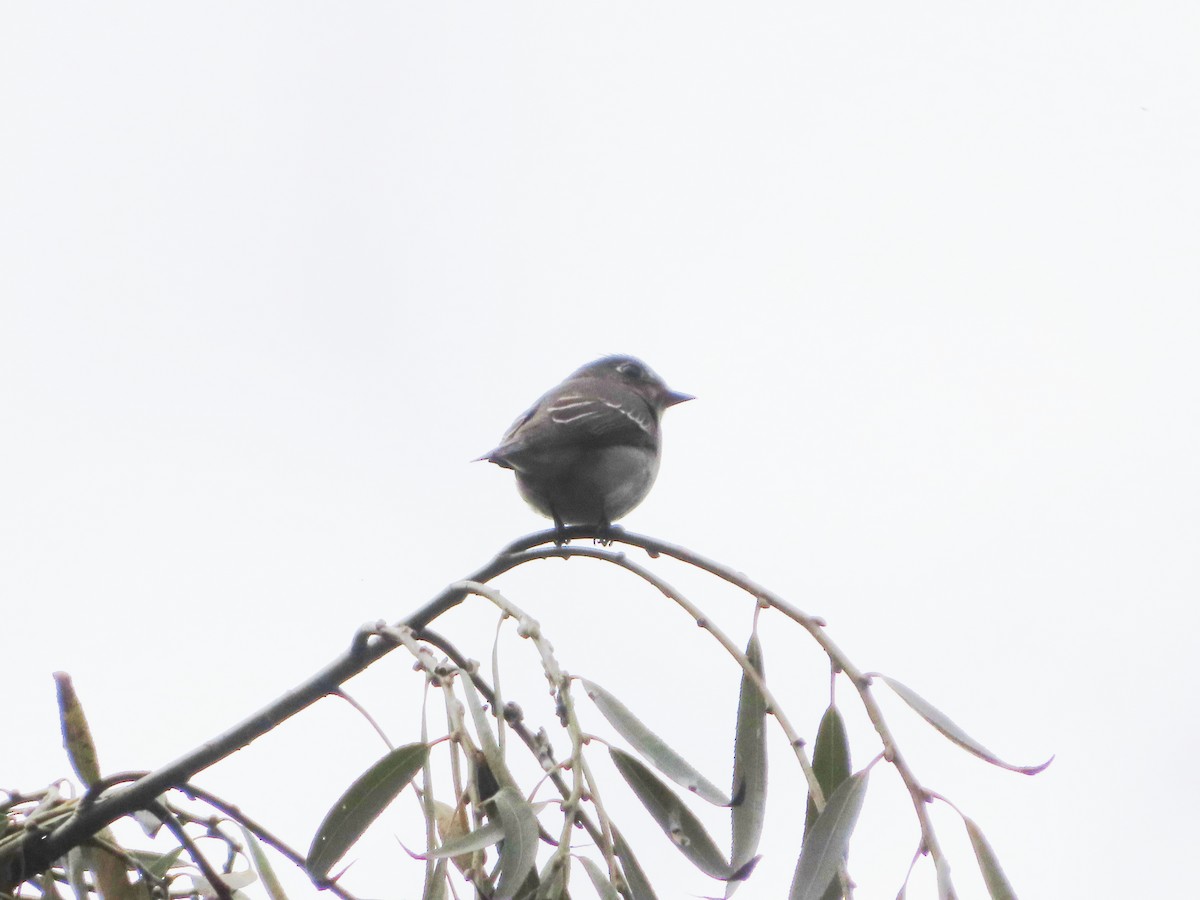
(588, 451)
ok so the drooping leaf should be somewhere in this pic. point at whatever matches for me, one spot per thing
(109, 872)
(262, 866)
(361, 804)
(158, 864)
(943, 723)
(993, 876)
(651, 746)
(487, 738)
(677, 821)
(635, 878)
(452, 825)
(435, 885)
(600, 881)
(551, 882)
(831, 759)
(77, 872)
(483, 836)
(944, 884)
(232, 881)
(518, 853)
(749, 765)
(829, 840)
(150, 824)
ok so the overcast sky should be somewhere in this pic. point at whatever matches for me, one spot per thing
(271, 274)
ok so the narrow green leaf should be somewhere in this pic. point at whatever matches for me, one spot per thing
(158, 864)
(232, 882)
(77, 872)
(635, 878)
(361, 804)
(518, 853)
(829, 840)
(942, 723)
(109, 873)
(677, 821)
(487, 738)
(481, 837)
(831, 765)
(651, 746)
(77, 737)
(600, 881)
(945, 885)
(831, 759)
(749, 765)
(262, 865)
(993, 876)
(551, 882)
(435, 887)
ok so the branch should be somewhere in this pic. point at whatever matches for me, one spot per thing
(36, 851)
(814, 625)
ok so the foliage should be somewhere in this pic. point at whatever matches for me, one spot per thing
(506, 839)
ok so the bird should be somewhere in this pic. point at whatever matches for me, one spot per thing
(587, 452)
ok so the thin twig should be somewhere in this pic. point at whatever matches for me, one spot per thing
(814, 625)
(216, 882)
(34, 851)
(518, 727)
(618, 558)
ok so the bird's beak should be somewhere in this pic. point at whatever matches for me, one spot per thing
(673, 397)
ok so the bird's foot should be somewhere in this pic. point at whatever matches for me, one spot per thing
(608, 533)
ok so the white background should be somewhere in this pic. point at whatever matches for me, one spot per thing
(271, 274)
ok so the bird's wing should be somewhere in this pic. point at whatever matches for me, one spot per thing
(568, 419)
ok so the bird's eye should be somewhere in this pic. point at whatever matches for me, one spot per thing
(631, 370)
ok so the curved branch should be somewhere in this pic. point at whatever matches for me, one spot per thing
(773, 706)
(814, 625)
(35, 851)
(235, 814)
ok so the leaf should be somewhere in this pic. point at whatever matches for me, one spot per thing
(831, 759)
(993, 876)
(231, 881)
(481, 837)
(452, 825)
(600, 881)
(829, 840)
(77, 737)
(77, 872)
(635, 878)
(677, 821)
(109, 872)
(518, 853)
(262, 865)
(942, 723)
(155, 863)
(749, 765)
(150, 824)
(361, 804)
(435, 887)
(487, 739)
(651, 746)
(551, 883)
(945, 885)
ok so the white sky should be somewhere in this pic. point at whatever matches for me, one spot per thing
(271, 274)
